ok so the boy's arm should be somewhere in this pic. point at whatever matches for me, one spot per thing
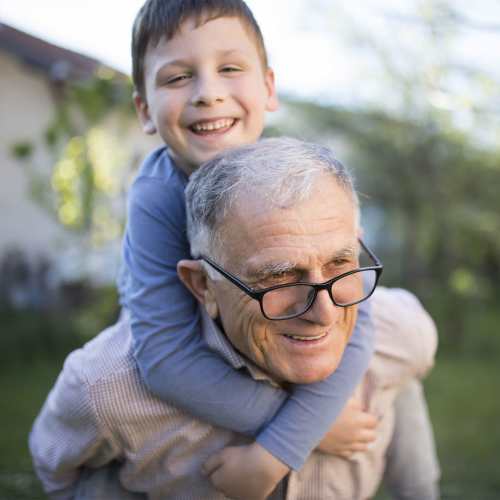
(65, 434)
(174, 361)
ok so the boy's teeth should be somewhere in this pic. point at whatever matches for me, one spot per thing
(299, 337)
(216, 125)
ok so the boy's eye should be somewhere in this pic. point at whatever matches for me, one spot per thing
(177, 79)
(230, 69)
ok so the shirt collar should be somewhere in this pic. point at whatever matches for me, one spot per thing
(218, 342)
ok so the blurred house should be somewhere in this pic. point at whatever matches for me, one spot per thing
(36, 251)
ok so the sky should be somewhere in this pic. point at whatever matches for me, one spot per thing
(102, 29)
(310, 46)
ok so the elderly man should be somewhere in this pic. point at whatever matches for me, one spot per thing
(275, 229)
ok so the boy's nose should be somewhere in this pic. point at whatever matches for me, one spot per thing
(207, 92)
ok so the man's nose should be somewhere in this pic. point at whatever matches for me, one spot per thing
(323, 311)
(208, 90)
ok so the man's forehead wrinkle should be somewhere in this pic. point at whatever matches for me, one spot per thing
(287, 236)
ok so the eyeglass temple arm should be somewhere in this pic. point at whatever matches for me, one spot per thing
(370, 253)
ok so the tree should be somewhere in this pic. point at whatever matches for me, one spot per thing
(423, 153)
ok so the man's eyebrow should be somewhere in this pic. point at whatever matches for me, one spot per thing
(348, 251)
(271, 269)
(275, 268)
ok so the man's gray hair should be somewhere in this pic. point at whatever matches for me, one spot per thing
(278, 171)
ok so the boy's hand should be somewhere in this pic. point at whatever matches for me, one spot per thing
(353, 431)
(245, 472)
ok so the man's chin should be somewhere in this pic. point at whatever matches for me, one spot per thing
(309, 374)
(309, 365)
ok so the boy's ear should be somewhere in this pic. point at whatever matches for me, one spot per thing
(195, 279)
(272, 96)
(142, 110)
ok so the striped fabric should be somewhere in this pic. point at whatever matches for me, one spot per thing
(100, 411)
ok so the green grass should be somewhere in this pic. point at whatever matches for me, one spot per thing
(25, 387)
(464, 401)
(463, 396)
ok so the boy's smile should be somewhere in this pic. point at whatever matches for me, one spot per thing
(206, 90)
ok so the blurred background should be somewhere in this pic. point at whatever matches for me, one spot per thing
(407, 93)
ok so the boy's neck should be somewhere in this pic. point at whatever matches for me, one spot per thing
(183, 166)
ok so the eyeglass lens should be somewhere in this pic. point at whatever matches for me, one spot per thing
(295, 299)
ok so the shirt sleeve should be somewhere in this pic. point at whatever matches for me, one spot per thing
(406, 335)
(65, 435)
(312, 408)
(174, 361)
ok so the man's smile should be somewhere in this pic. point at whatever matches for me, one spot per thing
(306, 338)
(300, 342)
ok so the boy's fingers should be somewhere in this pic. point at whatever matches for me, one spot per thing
(346, 454)
(368, 420)
(358, 447)
(215, 480)
(212, 464)
(367, 436)
(361, 441)
(354, 404)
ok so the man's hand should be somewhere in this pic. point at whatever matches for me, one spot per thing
(353, 431)
(245, 472)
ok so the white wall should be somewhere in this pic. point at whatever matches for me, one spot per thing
(26, 108)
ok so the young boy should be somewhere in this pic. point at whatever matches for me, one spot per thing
(203, 83)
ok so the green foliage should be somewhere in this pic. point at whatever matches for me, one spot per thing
(22, 150)
(97, 96)
(35, 335)
(425, 151)
(88, 157)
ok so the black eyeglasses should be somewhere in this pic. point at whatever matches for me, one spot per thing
(290, 300)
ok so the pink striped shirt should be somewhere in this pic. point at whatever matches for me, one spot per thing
(99, 411)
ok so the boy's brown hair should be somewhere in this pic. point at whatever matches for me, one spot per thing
(163, 18)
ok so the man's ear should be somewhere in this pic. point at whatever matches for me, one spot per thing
(195, 279)
(142, 110)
